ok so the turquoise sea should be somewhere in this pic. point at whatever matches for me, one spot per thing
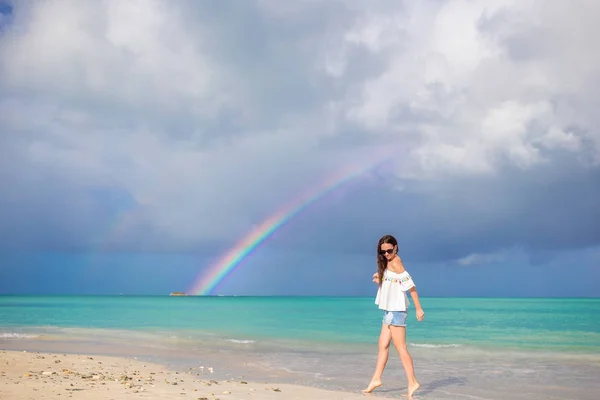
(465, 348)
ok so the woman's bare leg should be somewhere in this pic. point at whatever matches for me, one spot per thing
(385, 337)
(399, 338)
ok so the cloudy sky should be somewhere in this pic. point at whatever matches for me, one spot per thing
(140, 140)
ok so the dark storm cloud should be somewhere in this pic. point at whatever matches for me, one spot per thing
(541, 212)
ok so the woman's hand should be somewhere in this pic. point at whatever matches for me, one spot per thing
(376, 277)
(420, 314)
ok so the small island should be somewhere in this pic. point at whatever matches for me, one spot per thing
(177, 294)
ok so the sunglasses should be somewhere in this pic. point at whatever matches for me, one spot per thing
(388, 251)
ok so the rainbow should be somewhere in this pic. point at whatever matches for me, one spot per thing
(207, 281)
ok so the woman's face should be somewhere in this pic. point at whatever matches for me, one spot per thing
(388, 250)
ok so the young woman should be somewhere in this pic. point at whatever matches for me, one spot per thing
(394, 281)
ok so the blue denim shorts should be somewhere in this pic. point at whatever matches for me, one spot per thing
(395, 318)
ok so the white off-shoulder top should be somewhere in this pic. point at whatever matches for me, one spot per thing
(391, 295)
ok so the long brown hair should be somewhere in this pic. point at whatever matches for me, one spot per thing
(381, 260)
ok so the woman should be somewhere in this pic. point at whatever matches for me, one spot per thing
(394, 281)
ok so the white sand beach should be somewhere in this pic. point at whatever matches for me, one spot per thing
(52, 376)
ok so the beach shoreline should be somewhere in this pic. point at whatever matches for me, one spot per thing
(54, 376)
(29, 368)
(44, 370)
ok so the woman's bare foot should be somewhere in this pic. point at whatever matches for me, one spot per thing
(372, 386)
(413, 388)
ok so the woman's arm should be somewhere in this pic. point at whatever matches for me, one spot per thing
(376, 278)
(415, 297)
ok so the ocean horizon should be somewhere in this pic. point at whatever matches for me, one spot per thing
(283, 296)
(467, 346)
